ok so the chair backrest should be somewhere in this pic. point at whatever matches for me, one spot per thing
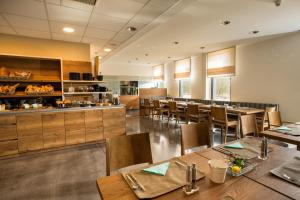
(172, 106)
(192, 109)
(146, 102)
(218, 114)
(274, 118)
(194, 135)
(126, 150)
(249, 125)
(268, 109)
(156, 104)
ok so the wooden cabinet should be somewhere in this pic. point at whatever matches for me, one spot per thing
(30, 131)
(9, 147)
(75, 127)
(93, 125)
(114, 122)
(53, 129)
(8, 135)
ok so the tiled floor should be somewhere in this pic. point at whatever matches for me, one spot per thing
(71, 173)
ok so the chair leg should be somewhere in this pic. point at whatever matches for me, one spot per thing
(225, 136)
(222, 139)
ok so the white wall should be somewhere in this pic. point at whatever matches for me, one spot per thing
(269, 71)
(198, 76)
(125, 70)
(170, 83)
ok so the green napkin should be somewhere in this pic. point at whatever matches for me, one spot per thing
(283, 128)
(158, 169)
(236, 145)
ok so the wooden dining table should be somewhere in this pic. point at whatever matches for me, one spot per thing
(257, 184)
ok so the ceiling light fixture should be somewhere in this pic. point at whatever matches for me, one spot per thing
(131, 28)
(68, 29)
(254, 32)
(169, 57)
(176, 42)
(146, 54)
(136, 58)
(277, 2)
(225, 22)
(107, 50)
(202, 48)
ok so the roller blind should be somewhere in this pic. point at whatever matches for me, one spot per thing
(221, 62)
(158, 72)
(182, 68)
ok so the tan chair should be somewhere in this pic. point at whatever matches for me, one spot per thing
(158, 110)
(148, 107)
(274, 119)
(262, 121)
(248, 125)
(127, 150)
(218, 117)
(192, 113)
(174, 111)
(195, 135)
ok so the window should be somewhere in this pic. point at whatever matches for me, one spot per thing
(220, 88)
(185, 90)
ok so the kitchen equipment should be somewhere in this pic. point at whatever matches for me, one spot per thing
(96, 88)
(100, 77)
(87, 76)
(103, 89)
(74, 76)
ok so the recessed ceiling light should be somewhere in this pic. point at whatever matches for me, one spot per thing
(136, 58)
(202, 48)
(107, 50)
(225, 22)
(169, 57)
(176, 42)
(129, 61)
(68, 29)
(113, 44)
(131, 28)
(148, 63)
(254, 32)
(146, 54)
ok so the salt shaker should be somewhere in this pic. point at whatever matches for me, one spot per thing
(264, 149)
(194, 176)
(188, 179)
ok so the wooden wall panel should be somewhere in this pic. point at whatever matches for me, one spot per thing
(8, 128)
(30, 143)
(131, 101)
(152, 92)
(114, 122)
(93, 125)
(75, 127)
(8, 147)
(75, 66)
(54, 130)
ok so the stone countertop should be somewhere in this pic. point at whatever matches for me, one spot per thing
(53, 109)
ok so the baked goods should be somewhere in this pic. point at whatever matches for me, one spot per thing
(4, 71)
(22, 74)
(8, 89)
(35, 89)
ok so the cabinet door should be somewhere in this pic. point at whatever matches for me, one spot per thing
(93, 125)
(30, 143)
(114, 122)
(9, 147)
(75, 136)
(8, 128)
(54, 130)
(75, 127)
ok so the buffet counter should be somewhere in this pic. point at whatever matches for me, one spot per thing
(29, 130)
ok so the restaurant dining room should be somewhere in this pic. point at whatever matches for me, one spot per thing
(149, 99)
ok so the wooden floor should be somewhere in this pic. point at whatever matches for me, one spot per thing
(71, 173)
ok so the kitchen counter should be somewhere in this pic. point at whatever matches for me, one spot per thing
(54, 109)
(31, 130)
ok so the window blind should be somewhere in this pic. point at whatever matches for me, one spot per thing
(182, 69)
(158, 72)
(221, 63)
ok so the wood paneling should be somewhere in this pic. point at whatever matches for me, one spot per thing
(8, 147)
(76, 66)
(75, 127)
(131, 101)
(30, 143)
(93, 125)
(114, 122)
(93, 134)
(152, 92)
(54, 139)
(75, 135)
(8, 127)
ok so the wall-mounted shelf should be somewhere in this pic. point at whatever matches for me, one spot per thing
(23, 94)
(79, 93)
(31, 81)
(82, 81)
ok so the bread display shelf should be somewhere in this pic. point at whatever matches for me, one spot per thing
(15, 78)
(82, 81)
(23, 94)
(80, 93)
(31, 81)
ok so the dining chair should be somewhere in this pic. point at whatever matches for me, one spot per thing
(262, 120)
(218, 117)
(158, 109)
(174, 111)
(274, 119)
(192, 113)
(248, 125)
(195, 135)
(148, 107)
(127, 150)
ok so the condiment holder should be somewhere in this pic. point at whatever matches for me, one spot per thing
(191, 177)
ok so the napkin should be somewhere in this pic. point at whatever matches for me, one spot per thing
(283, 128)
(236, 145)
(158, 169)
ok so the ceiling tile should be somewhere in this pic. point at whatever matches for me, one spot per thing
(3, 22)
(70, 38)
(122, 36)
(107, 22)
(125, 9)
(95, 41)
(33, 33)
(77, 5)
(29, 8)
(27, 22)
(57, 27)
(56, 2)
(148, 14)
(67, 15)
(6, 30)
(99, 33)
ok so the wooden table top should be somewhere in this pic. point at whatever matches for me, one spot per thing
(255, 185)
(282, 137)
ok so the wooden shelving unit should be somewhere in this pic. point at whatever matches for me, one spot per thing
(82, 81)
(23, 94)
(79, 93)
(30, 81)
